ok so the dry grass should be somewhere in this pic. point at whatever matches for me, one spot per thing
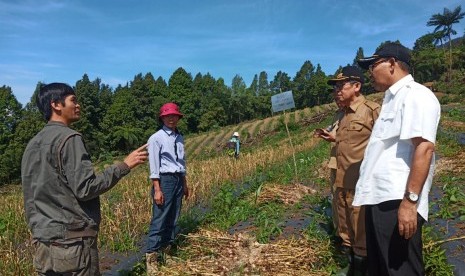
(297, 115)
(243, 128)
(452, 164)
(206, 141)
(266, 124)
(218, 138)
(126, 209)
(219, 253)
(15, 248)
(254, 128)
(288, 194)
(455, 125)
(204, 176)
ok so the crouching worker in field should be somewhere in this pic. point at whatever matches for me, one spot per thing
(234, 145)
(168, 175)
(61, 190)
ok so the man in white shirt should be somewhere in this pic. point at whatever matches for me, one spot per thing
(397, 170)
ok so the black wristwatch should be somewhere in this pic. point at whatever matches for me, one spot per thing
(411, 196)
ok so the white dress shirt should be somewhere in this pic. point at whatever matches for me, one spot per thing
(409, 110)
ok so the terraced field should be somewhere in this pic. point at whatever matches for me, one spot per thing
(204, 144)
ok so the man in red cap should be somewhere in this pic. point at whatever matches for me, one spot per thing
(168, 174)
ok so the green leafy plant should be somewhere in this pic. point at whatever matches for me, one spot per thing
(434, 257)
(268, 220)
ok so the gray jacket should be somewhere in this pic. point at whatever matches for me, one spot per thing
(61, 190)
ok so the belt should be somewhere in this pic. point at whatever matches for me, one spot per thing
(80, 234)
(171, 173)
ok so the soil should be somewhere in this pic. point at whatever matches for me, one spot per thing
(452, 230)
(453, 235)
(295, 222)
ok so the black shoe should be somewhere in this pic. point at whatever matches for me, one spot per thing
(348, 270)
(359, 265)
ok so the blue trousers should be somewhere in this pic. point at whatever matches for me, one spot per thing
(164, 217)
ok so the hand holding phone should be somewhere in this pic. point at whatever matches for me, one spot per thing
(323, 133)
(319, 131)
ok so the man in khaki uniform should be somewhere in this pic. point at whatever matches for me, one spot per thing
(351, 138)
(329, 135)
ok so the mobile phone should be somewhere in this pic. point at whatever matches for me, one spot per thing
(319, 131)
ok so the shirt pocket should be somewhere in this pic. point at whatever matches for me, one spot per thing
(357, 132)
(387, 126)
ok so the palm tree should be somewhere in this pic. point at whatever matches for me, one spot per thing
(443, 23)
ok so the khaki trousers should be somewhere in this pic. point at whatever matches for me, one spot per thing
(332, 179)
(351, 220)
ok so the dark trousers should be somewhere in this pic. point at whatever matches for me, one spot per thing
(165, 217)
(388, 252)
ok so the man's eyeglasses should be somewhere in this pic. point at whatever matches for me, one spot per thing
(372, 66)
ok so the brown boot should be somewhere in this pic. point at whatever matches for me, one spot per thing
(152, 263)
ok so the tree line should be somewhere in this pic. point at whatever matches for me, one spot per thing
(116, 120)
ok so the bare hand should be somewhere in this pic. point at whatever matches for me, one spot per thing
(186, 191)
(407, 219)
(136, 157)
(159, 197)
(325, 135)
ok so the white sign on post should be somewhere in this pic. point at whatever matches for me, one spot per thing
(282, 101)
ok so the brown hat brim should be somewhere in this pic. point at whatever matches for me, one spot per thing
(334, 81)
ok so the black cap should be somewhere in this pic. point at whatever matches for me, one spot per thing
(388, 50)
(352, 73)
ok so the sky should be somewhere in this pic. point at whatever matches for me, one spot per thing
(114, 40)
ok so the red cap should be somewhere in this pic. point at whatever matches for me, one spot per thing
(170, 109)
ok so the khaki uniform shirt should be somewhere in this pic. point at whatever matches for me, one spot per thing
(352, 138)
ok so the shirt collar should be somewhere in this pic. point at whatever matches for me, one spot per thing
(359, 100)
(399, 84)
(168, 130)
(55, 123)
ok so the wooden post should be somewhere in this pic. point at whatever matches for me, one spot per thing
(292, 145)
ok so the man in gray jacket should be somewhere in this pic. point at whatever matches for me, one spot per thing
(61, 190)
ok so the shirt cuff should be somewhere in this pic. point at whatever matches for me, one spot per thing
(124, 168)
